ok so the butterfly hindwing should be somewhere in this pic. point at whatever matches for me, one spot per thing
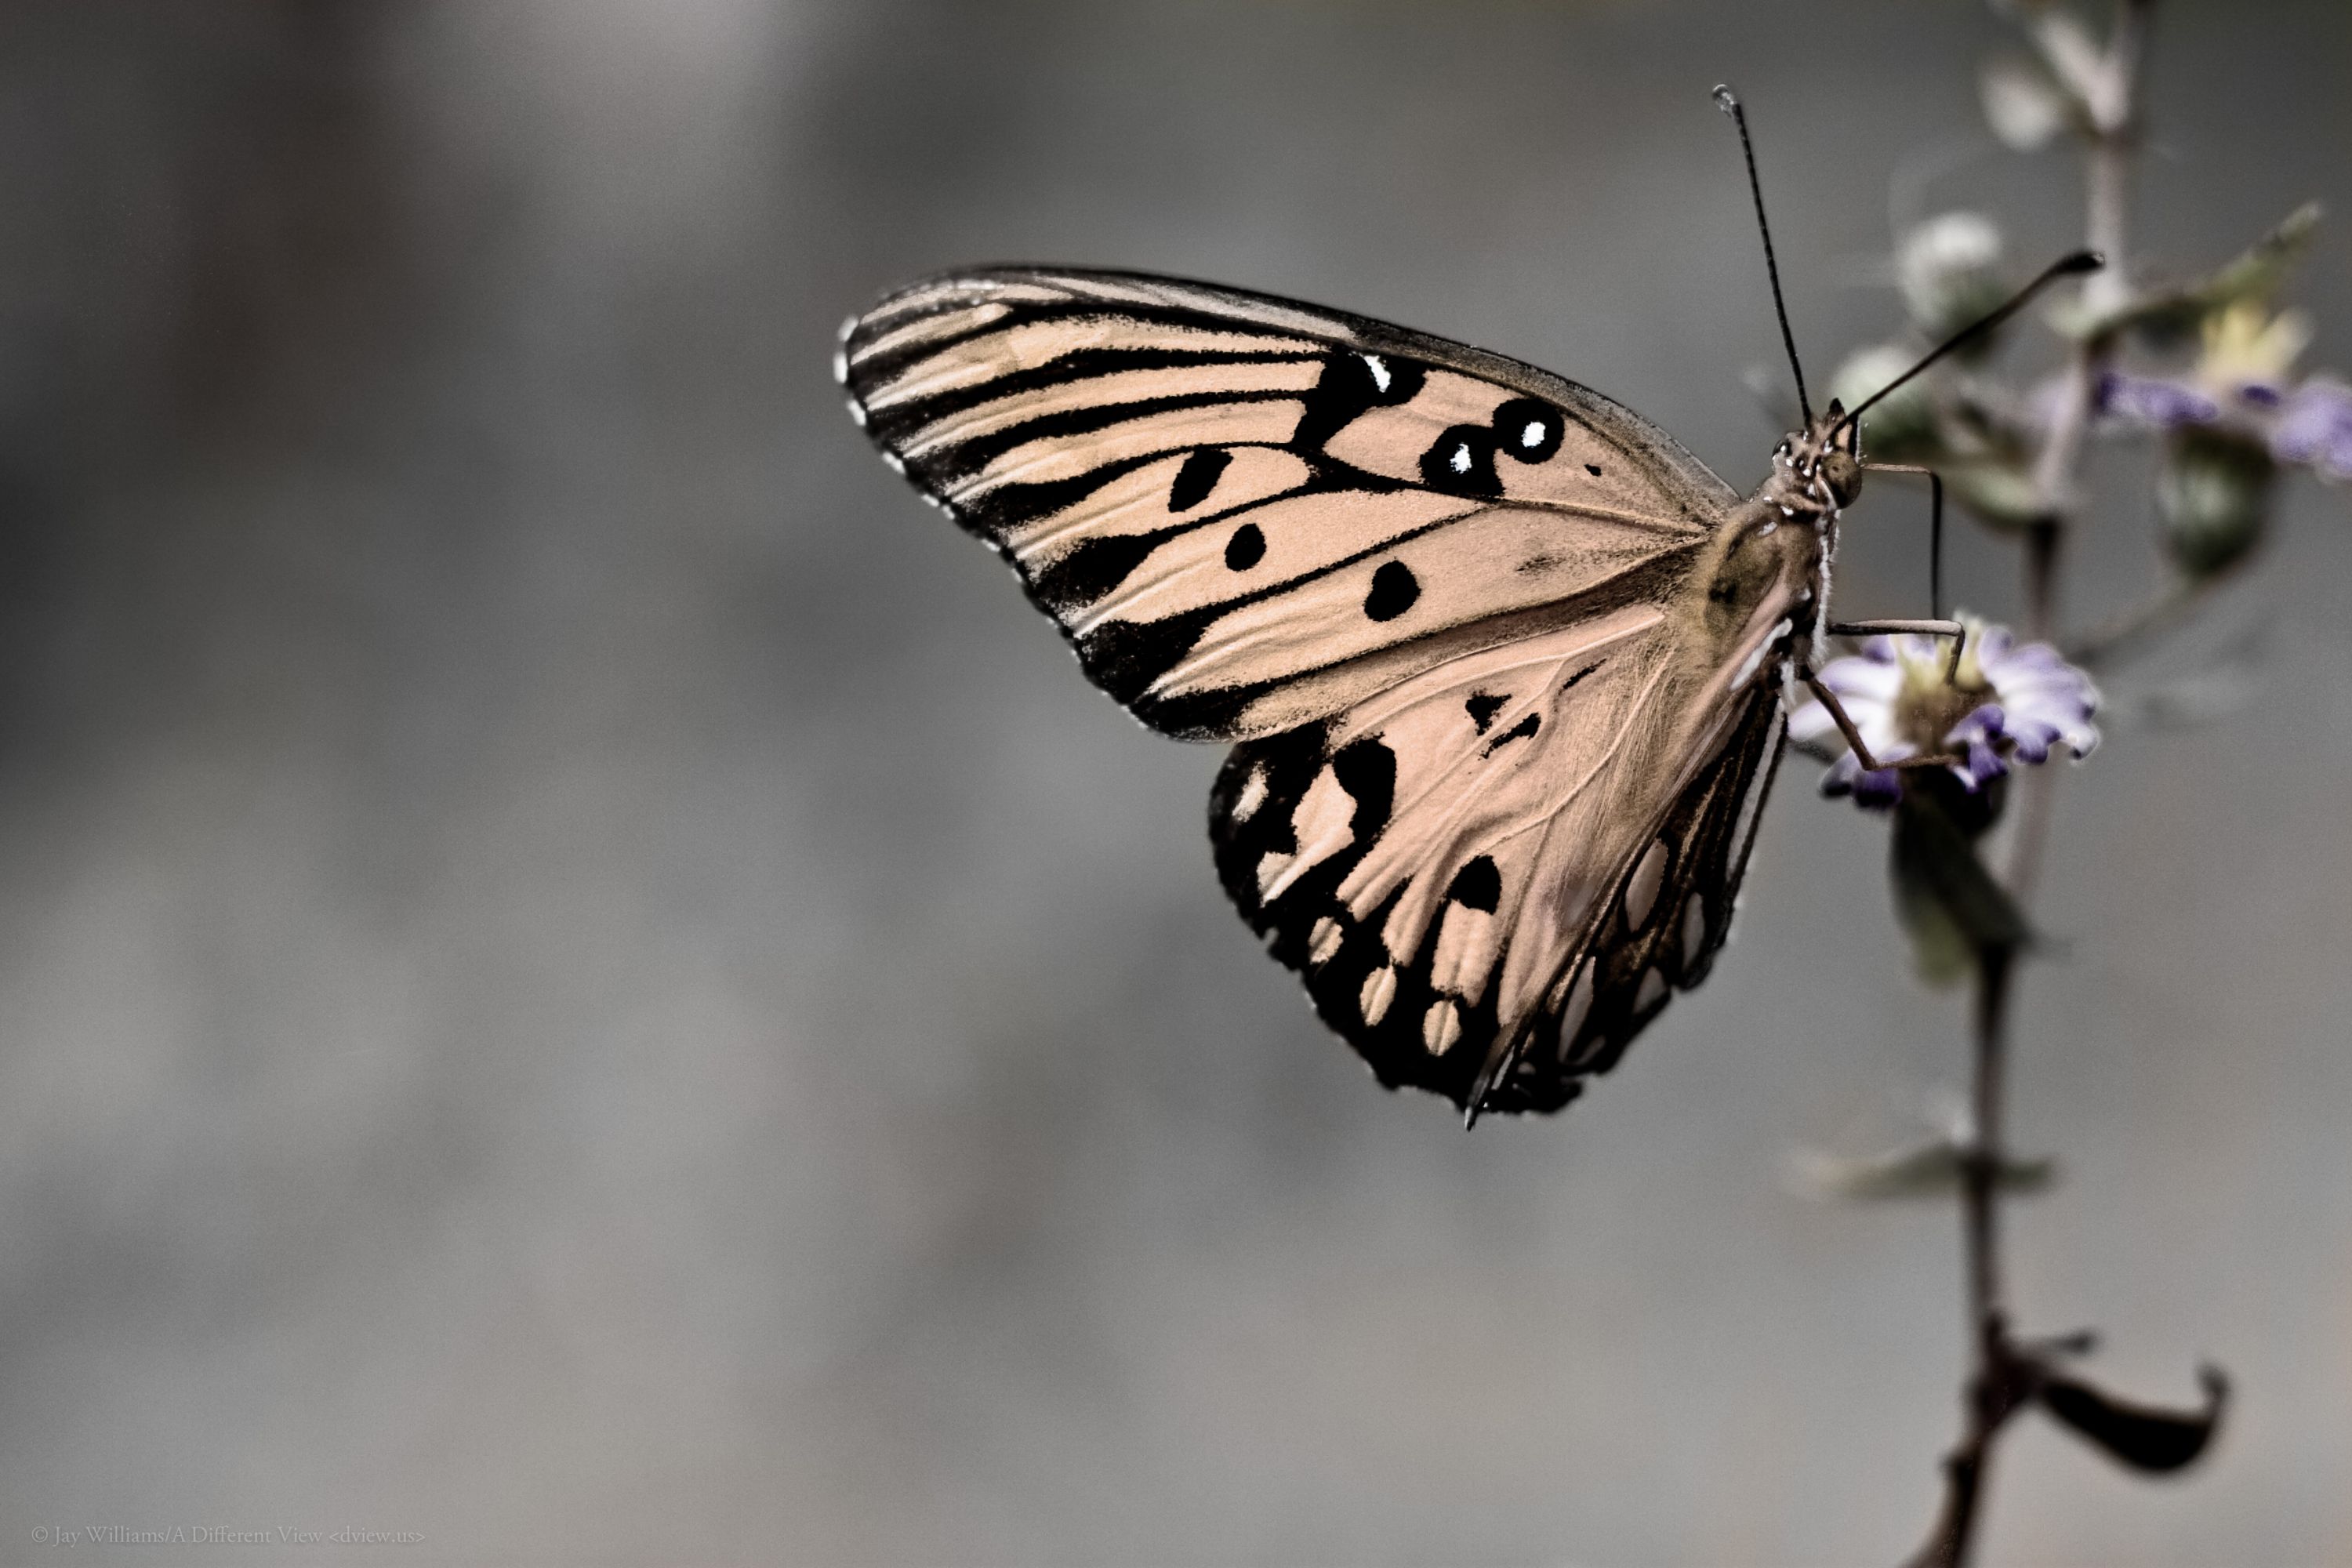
(1436, 862)
(1248, 514)
(1671, 913)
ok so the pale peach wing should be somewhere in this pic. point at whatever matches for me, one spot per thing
(1249, 514)
(1499, 870)
(1492, 876)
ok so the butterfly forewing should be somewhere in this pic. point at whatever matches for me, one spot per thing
(1494, 786)
(1247, 514)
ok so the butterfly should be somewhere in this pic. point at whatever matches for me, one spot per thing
(1503, 667)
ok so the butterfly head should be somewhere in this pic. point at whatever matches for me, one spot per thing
(1818, 471)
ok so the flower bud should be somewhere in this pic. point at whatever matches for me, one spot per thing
(2213, 498)
(1997, 491)
(1949, 271)
(2023, 103)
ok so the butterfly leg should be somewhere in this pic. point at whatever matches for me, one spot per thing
(1845, 724)
(1829, 700)
(1936, 626)
(1874, 628)
(1952, 629)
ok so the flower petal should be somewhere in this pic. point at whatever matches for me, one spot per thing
(2161, 404)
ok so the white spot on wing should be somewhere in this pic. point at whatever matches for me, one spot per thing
(1270, 870)
(1251, 795)
(1323, 941)
(1652, 991)
(1693, 930)
(1580, 1001)
(897, 464)
(858, 413)
(841, 365)
(1574, 1009)
(1380, 990)
(1460, 462)
(1533, 436)
(1641, 887)
(1465, 951)
(1380, 376)
(1322, 825)
(1441, 1027)
(848, 327)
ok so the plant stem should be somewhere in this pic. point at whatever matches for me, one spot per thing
(2126, 635)
(1995, 1387)
(1999, 1379)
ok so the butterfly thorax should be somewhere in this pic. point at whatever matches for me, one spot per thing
(1765, 571)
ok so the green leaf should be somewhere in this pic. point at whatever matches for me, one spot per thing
(1949, 903)
(1936, 1168)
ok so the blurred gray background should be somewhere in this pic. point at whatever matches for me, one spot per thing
(580, 976)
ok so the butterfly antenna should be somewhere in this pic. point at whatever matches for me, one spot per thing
(1728, 102)
(2069, 266)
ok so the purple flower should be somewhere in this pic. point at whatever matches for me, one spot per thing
(2163, 403)
(2314, 428)
(2243, 384)
(2008, 703)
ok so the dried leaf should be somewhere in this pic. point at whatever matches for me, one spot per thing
(2141, 1437)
